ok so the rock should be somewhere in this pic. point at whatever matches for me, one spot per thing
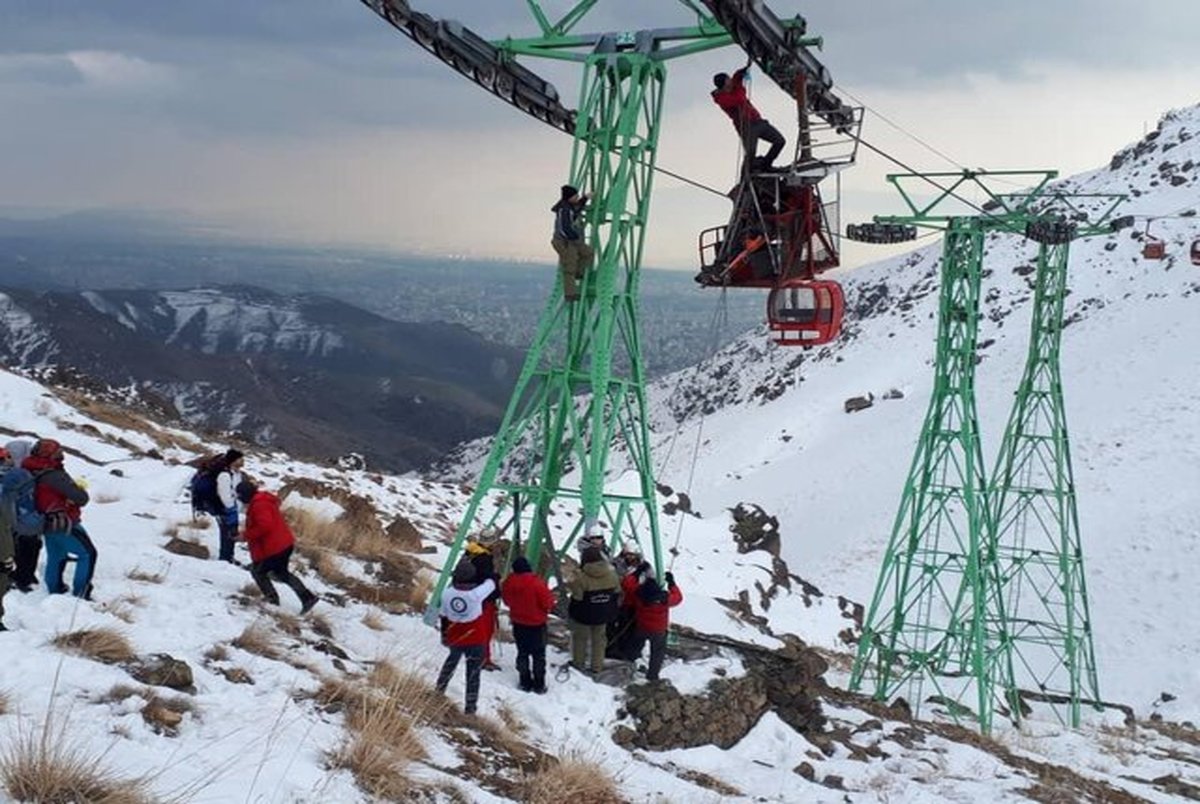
(351, 461)
(805, 770)
(183, 547)
(834, 782)
(894, 393)
(857, 403)
(404, 534)
(116, 473)
(162, 670)
(330, 649)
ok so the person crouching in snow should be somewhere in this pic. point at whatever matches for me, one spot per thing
(464, 631)
(61, 498)
(529, 602)
(271, 543)
(652, 617)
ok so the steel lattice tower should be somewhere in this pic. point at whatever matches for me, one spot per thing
(950, 617)
(1039, 555)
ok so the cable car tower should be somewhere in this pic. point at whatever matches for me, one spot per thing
(981, 603)
(581, 392)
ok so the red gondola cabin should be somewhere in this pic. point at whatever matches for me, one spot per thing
(806, 313)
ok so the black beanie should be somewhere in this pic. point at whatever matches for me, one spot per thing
(232, 455)
(464, 572)
(245, 490)
(522, 565)
(568, 192)
(719, 79)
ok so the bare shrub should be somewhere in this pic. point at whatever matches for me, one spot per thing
(320, 625)
(105, 645)
(44, 766)
(137, 574)
(106, 499)
(119, 693)
(5, 703)
(259, 640)
(571, 777)
(165, 715)
(374, 621)
(508, 716)
(217, 653)
(383, 713)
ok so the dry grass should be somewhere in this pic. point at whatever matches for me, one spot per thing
(571, 778)
(122, 607)
(5, 703)
(137, 574)
(259, 640)
(106, 499)
(1118, 742)
(105, 645)
(119, 693)
(44, 766)
(165, 715)
(320, 625)
(508, 716)
(383, 714)
(422, 588)
(374, 621)
(217, 653)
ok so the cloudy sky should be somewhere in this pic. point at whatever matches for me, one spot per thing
(313, 121)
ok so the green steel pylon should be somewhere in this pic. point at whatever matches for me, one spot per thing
(936, 619)
(1039, 554)
(581, 392)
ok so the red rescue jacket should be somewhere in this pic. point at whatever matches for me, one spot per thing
(267, 533)
(528, 598)
(653, 618)
(735, 103)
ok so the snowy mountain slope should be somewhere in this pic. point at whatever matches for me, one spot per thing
(256, 726)
(777, 435)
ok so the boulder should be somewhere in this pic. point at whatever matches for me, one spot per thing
(163, 670)
(182, 547)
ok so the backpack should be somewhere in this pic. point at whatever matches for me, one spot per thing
(203, 488)
(16, 490)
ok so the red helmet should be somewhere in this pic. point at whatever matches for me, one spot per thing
(47, 448)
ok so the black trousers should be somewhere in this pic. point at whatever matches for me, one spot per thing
(474, 654)
(531, 655)
(227, 533)
(276, 567)
(762, 130)
(658, 651)
(28, 548)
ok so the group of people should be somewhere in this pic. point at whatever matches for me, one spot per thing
(40, 503)
(616, 606)
(575, 255)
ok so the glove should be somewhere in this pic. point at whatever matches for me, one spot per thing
(83, 484)
(669, 578)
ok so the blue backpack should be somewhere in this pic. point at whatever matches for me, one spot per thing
(16, 489)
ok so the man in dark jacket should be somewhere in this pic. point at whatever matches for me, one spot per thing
(27, 547)
(574, 254)
(271, 543)
(529, 602)
(594, 597)
(730, 95)
(8, 522)
(652, 617)
(60, 498)
(479, 553)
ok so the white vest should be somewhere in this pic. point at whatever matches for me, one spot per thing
(465, 605)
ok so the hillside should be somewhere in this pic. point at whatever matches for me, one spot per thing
(308, 374)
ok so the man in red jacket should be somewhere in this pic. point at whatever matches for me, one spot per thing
(730, 95)
(529, 602)
(61, 499)
(271, 543)
(652, 616)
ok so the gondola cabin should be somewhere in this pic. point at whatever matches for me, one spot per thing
(1154, 249)
(806, 313)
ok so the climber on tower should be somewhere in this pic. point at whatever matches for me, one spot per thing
(730, 95)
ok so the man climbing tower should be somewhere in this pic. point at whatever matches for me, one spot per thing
(730, 95)
(574, 254)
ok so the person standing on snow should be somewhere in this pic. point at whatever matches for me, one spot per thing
(730, 95)
(271, 543)
(8, 524)
(652, 617)
(60, 498)
(228, 471)
(463, 629)
(479, 554)
(594, 594)
(529, 602)
(27, 547)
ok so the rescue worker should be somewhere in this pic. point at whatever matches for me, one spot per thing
(594, 599)
(271, 543)
(652, 617)
(529, 602)
(479, 553)
(574, 254)
(463, 631)
(730, 95)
